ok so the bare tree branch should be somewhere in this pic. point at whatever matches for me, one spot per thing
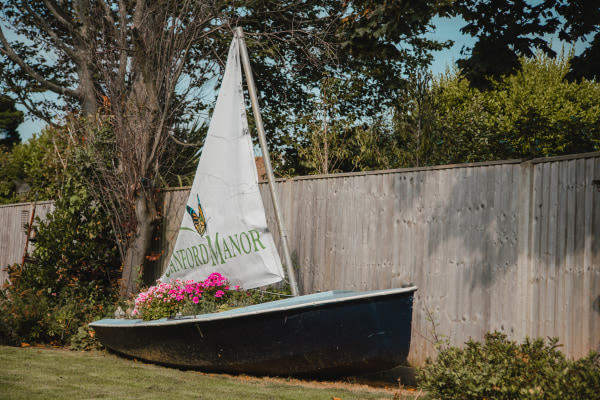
(43, 25)
(10, 53)
(60, 15)
(25, 101)
(180, 143)
(108, 14)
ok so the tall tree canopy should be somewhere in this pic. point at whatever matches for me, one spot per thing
(506, 30)
(147, 66)
(443, 120)
(534, 113)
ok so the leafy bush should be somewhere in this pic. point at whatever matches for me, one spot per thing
(502, 369)
(33, 314)
(72, 275)
(85, 339)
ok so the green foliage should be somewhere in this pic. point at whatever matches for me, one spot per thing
(293, 46)
(414, 121)
(372, 148)
(75, 247)
(506, 31)
(323, 149)
(501, 369)
(73, 271)
(534, 113)
(582, 19)
(443, 120)
(336, 138)
(84, 339)
(31, 314)
(41, 165)
(23, 312)
(8, 178)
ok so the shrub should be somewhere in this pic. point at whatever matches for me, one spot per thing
(84, 339)
(70, 279)
(33, 314)
(502, 369)
(73, 271)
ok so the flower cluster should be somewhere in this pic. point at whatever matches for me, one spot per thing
(169, 299)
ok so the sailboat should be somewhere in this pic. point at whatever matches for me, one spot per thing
(224, 229)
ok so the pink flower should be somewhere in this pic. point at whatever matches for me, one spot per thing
(219, 293)
(237, 287)
(195, 299)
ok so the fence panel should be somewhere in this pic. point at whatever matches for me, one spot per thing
(509, 246)
(13, 218)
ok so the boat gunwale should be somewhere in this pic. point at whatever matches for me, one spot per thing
(235, 313)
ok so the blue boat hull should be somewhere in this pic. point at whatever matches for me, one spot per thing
(322, 335)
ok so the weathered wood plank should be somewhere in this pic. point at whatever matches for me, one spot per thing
(585, 341)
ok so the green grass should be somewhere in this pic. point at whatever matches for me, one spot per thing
(45, 373)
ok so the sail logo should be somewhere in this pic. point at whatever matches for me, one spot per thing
(197, 218)
(216, 250)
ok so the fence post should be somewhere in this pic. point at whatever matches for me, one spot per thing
(524, 238)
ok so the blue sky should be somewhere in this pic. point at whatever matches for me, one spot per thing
(448, 29)
(445, 29)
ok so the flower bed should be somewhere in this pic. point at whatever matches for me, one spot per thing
(189, 298)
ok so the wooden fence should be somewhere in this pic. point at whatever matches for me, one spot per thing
(13, 218)
(510, 246)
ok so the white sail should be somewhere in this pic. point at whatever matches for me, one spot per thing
(224, 228)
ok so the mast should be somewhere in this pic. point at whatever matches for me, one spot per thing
(263, 146)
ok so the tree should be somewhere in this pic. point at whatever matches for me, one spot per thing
(507, 30)
(139, 66)
(325, 149)
(582, 18)
(116, 62)
(10, 119)
(535, 113)
(31, 168)
(342, 141)
(414, 120)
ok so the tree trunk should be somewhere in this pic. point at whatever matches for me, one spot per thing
(135, 256)
(89, 104)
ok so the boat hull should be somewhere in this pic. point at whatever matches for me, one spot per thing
(326, 334)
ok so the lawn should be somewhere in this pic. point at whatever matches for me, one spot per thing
(49, 373)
